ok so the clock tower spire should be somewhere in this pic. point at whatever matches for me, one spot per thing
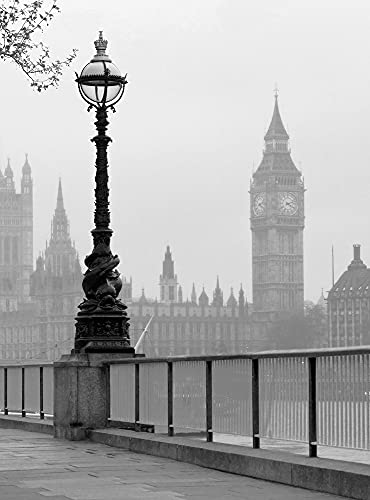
(277, 223)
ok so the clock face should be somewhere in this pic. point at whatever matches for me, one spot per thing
(288, 204)
(259, 204)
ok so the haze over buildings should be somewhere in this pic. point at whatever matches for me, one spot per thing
(190, 128)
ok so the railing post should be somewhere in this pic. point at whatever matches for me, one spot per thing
(312, 434)
(137, 396)
(6, 391)
(255, 404)
(23, 391)
(42, 415)
(170, 398)
(107, 392)
(209, 401)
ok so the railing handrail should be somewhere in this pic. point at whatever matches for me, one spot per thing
(27, 365)
(293, 353)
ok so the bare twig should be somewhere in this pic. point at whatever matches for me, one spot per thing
(20, 23)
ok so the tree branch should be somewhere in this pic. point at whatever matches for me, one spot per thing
(20, 22)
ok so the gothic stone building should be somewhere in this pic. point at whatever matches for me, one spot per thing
(16, 216)
(277, 223)
(39, 321)
(348, 305)
(194, 326)
(191, 327)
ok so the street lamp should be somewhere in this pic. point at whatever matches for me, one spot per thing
(102, 323)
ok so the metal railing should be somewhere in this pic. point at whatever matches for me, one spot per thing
(321, 397)
(27, 390)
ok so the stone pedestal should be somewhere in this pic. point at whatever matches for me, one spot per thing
(81, 393)
(103, 332)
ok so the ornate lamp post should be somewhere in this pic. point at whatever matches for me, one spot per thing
(102, 322)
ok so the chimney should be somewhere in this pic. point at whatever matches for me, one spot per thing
(356, 252)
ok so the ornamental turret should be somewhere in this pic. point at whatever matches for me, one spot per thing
(241, 302)
(8, 174)
(231, 301)
(218, 297)
(193, 297)
(203, 299)
(168, 279)
(26, 182)
(143, 300)
(60, 224)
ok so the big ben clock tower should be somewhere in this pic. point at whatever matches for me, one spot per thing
(277, 223)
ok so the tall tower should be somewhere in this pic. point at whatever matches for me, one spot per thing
(27, 230)
(56, 286)
(277, 223)
(56, 283)
(60, 255)
(168, 279)
(16, 235)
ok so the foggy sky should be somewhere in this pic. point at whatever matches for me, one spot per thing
(190, 128)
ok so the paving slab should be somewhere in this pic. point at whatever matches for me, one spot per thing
(37, 467)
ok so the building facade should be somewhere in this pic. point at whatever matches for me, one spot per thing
(348, 305)
(45, 330)
(42, 325)
(192, 327)
(200, 325)
(16, 234)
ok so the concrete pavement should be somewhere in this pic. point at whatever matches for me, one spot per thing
(35, 467)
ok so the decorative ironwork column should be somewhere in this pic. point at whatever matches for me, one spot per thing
(102, 322)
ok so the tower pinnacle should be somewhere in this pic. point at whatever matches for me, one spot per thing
(193, 297)
(168, 279)
(60, 225)
(276, 129)
(218, 299)
(26, 169)
(8, 171)
(60, 202)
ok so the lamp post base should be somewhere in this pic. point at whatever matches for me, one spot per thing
(102, 333)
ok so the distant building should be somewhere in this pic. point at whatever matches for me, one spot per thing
(56, 285)
(192, 327)
(16, 233)
(348, 305)
(41, 324)
(277, 223)
(322, 301)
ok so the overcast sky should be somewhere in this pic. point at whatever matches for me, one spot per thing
(191, 125)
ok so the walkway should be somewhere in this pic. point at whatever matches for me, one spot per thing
(36, 467)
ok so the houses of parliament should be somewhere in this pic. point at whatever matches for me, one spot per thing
(38, 303)
(38, 306)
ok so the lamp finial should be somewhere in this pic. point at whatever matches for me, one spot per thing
(100, 45)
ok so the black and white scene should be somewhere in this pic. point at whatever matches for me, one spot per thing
(184, 250)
